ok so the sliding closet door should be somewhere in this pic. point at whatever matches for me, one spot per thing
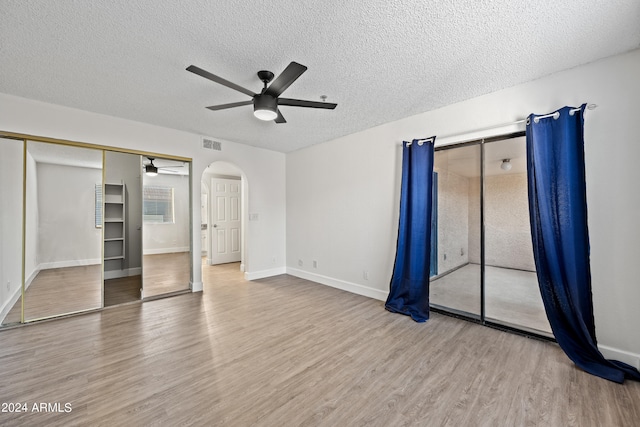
(63, 230)
(457, 281)
(11, 171)
(166, 229)
(512, 296)
(122, 228)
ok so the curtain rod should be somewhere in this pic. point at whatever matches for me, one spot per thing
(517, 122)
(421, 141)
(556, 114)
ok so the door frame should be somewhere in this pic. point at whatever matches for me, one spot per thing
(205, 182)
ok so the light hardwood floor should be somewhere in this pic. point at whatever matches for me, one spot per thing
(122, 290)
(284, 351)
(165, 273)
(59, 291)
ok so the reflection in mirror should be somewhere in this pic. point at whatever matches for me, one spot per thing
(122, 228)
(11, 230)
(456, 283)
(166, 226)
(63, 230)
(512, 295)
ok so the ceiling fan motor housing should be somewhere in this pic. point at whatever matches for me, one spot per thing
(265, 102)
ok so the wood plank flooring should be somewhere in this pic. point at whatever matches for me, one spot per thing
(122, 290)
(165, 273)
(284, 351)
(59, 291)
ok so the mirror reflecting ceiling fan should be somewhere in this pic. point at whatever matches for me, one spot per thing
(152, 170)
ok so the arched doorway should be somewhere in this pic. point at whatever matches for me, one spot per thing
(223, 204)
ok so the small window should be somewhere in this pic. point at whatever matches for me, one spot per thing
(158, 204)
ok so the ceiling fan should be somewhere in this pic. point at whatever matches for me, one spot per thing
(265, 103)
(152, 170)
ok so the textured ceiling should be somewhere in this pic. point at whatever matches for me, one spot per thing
(379, 60)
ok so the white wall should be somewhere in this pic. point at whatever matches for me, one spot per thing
(10, 224)
(265, 169)
(67, 235)
(342, 196)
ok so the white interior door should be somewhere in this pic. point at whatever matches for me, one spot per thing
(225, 220)
(204, 224)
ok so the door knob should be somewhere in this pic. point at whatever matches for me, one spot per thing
(215, 225)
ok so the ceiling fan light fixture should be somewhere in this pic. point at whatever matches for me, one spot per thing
(150, 169)
(265, 114)
(265, 107)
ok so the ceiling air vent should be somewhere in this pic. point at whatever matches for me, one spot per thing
(210, 144)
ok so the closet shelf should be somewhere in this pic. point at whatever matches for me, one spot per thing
(114, 221)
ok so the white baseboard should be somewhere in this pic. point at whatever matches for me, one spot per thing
(255, 275)
(165, 251)
(13, 299)
(8, 305)
(69, 263)
(196, 287)
(32, 276)
(354, 288)
(117, 274)
(627, 357)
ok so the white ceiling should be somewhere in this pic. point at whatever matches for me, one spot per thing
(379, 60)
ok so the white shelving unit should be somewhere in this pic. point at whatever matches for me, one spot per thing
(114, 226)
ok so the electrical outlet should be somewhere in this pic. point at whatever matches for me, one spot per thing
(315, 264)
(365, 275)
(8, 286)
(300, 263)
(273, 260)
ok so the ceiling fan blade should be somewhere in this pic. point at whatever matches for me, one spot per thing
(307, 104)
(280, 118)
(220, 80)
(284, 80)
(233, 104)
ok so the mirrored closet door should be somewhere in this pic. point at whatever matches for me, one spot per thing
(512, 296)
(482, 238)
(122, 228)
(11, 172)
(166, 205)
(456, 276)
(84, 227)
(63, 230)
